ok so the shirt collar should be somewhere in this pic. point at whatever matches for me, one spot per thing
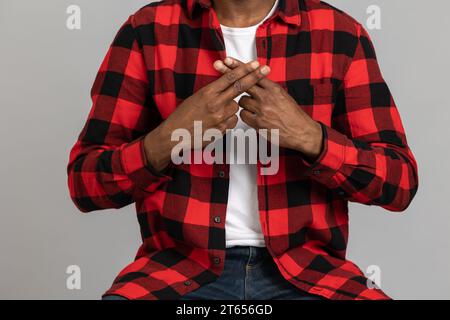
(288, 10)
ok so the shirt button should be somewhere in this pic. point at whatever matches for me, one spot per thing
(217, 219)
(216, 260)
(221, 174)
(317, 172)
(187, 283)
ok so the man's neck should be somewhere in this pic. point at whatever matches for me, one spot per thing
(242, 13)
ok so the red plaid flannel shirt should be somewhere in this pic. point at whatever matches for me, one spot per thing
(326, 61)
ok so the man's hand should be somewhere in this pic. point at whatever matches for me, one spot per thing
(213, 105)
(269, 106)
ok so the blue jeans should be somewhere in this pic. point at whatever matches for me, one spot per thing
(249, 274)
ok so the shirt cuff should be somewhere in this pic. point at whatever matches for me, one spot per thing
(136, 167)
(330, 160)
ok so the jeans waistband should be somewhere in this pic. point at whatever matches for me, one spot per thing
(252, 255)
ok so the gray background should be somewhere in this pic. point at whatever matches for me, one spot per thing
(46, 72)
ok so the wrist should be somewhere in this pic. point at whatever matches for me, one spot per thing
(311, 144)
(157, 148)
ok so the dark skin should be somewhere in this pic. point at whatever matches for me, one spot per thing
(212, 104)
(242, 13)
(268, 107)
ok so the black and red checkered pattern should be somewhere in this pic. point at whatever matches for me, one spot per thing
(326, 61)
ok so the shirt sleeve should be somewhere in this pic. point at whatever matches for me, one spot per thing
(107, 165)
(366, 157)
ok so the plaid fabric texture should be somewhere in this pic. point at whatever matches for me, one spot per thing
(326, 61)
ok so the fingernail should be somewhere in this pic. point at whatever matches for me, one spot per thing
(254, 64)
(218, 65)
(228, 61)
(265, 70)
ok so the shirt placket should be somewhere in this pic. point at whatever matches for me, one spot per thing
(220, 170)
(263, 53)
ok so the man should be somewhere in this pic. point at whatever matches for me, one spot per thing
(300, 68)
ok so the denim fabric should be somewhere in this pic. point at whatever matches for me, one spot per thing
(249, 274)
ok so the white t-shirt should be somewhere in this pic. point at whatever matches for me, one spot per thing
(242, 224)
